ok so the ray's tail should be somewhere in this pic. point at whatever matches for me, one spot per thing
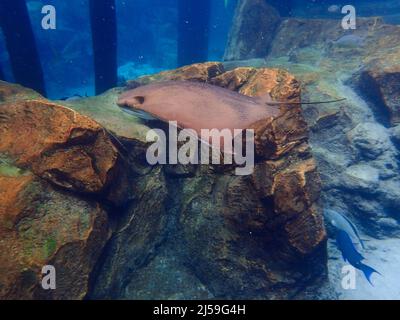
(277, 103)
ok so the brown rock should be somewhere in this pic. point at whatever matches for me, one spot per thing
(49, 157)
(279, 136)
(281, 219)
(202, 72)
(241, 236)
(234, 79)
(286, 131)
(296, 188)
(14, 92)
(281, 85)
(58, 144)
(257, 236)
(304, 232)
(42, 226)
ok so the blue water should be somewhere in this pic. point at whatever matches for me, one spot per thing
(147, 37)
(148, 42)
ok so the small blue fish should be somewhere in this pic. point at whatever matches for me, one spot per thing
(351, 255)
(341, 222)
(346, 236)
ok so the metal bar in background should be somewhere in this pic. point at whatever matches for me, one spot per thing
(2, 74)
(21, 45)
(193, 31)
(104, 38)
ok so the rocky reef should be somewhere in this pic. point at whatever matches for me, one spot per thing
(355, 142)
(76, 192)
(53, 164)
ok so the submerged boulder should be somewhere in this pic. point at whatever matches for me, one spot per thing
(58, 144)
(201, 72)
(173, 231)
(49, 158)
(360, 65)
(370, 139)
(211, 234)
(395, 134)
(380, 81)
(14, 92)
(41, 225)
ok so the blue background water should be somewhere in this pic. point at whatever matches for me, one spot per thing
(147, 37)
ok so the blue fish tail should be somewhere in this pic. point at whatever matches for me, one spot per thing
(368, 271)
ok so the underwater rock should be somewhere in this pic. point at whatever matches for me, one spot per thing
(362, 178)
(255, 63)
(357, 179)
(181, 231)
(349, 41)
(202, 72)
(234, 79)
(381, 83)
(395, 134)
(69, 150)
(196, 222)
(351, 132)
(50, 157)
(14, 92)
(371, 139)
(253, 30)
(141, 229)
(41, 225)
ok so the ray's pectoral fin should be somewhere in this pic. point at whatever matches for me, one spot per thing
(139, 114)
(133, 107)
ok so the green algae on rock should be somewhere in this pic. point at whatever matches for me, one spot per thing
(8, 169)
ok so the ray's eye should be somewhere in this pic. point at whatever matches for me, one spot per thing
(139, 99)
